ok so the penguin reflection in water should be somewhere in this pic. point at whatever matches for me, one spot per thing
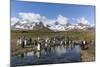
(38, 48)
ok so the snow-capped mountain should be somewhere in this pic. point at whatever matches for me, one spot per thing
(32, 21)
(54, 27)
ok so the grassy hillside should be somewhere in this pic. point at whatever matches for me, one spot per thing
(74, 35)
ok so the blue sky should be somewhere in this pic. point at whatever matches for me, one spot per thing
(51, 11)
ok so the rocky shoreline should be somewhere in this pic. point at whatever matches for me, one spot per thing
(88, 54)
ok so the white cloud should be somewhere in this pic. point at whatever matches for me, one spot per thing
(82, 20)
(61, 19)
(30, 17)
(51, 21)
(14, 20)
(45, 20)
(35, 18)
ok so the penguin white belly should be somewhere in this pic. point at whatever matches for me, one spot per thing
(38, 47)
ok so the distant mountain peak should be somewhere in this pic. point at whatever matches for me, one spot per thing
(56, 26)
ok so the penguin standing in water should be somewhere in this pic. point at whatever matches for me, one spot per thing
(38, 50)
(25, 42)
(19, 41)
(30, 41)
(61, 42)
(22, 45)
(46, 42)
(38, 46)
(35, 42)
(84, 44)
(70, 44)
(65, 41)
